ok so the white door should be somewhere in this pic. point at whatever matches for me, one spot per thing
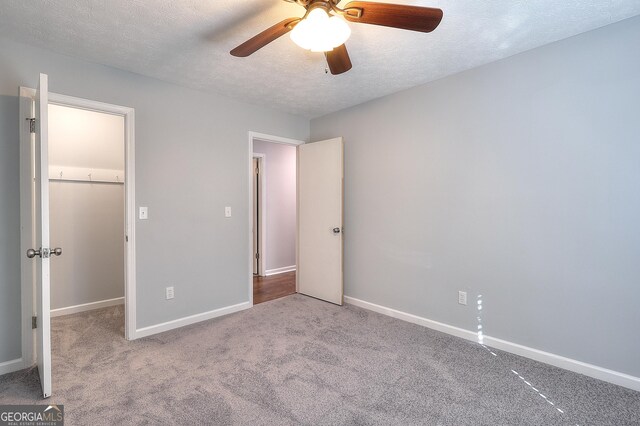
(256, 214)
(41, 252)
(320, 198)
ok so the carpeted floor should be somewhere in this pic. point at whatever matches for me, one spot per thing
(297, 360)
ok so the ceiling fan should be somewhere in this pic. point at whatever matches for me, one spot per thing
(323, 29)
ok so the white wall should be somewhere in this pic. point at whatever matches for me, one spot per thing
(518, 181)
(191, 162)
(281, 203)
(86, 217)
(87, 221)
(82, 138)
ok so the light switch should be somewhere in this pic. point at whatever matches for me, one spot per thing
(144, 213)
(227, 212)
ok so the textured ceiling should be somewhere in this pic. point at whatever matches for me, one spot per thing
(188, 41)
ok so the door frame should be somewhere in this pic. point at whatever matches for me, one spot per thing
(27, 284)
(265, 138)
(262, 212)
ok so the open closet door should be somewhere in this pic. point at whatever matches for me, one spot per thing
(41, 252)
(320, 200)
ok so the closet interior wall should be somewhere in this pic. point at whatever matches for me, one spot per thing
(86, 176)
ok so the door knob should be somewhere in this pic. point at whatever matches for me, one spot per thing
(336, 230)
(31, 253)
(44, 253)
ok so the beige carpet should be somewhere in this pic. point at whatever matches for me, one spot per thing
(297, 360)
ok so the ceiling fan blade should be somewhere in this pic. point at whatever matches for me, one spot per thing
(338, 60)
(414, 18)
(267, 36)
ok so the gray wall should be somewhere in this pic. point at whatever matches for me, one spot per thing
(87, 221)
(281, 203)
(519, 181)
(191, 161)
(9, 230)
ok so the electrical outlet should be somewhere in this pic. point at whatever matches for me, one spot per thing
(462, 297)
(169, 293)
(227, 212)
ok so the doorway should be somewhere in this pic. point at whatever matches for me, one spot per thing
(86, 210)
(273, 219)
(259, 203)
(36, 179)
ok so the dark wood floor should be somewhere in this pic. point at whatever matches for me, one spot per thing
(273, 287)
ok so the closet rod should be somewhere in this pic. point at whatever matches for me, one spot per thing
(112, 182)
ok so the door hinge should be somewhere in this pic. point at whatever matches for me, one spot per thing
(257, 255)
(257, 170)
(34, 322)
(32, 125)
(126, 238)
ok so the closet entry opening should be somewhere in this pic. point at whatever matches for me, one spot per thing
(273, 194)
(87, 214)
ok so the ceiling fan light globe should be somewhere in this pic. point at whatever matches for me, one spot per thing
(299, 35)
(317, 17)
(320, 33)
(338, 31)
(321, 48)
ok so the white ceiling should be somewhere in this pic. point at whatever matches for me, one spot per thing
(188, 42)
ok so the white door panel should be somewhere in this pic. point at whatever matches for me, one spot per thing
(255, 207)
(41, 186)
(320, 205)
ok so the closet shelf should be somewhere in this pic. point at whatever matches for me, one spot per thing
(82, 174)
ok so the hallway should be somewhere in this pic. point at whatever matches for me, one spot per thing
(273, 287)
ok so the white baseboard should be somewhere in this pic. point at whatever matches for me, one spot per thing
(86, 307)
(282, 270)
(181, 322)
(580, 367)
(611, 376)
(11, 366)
